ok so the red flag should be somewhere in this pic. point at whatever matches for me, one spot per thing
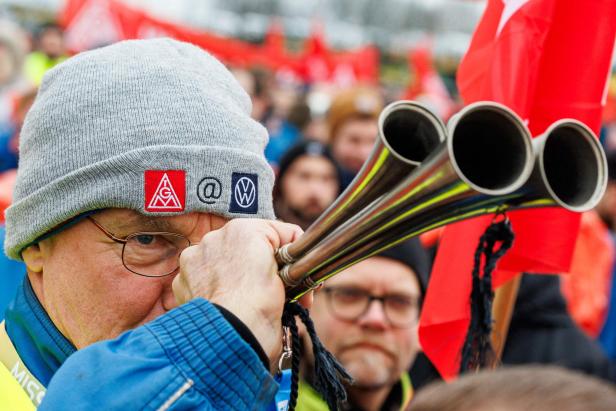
(79, 17)
(117, 21)
(274, 40)
(545, 59)
(427, 86)
(316, 55)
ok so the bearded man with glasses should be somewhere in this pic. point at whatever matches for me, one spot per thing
(367, 316)
(143, 213)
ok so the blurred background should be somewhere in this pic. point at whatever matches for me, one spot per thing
(309, 66)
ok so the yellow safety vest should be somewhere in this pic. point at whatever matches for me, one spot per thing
(12, 396)
(310, 400)
(37, 64)
(16, 381)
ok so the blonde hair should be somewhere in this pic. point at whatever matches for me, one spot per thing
(537, 388)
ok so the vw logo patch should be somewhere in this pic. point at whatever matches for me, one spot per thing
(244, 193)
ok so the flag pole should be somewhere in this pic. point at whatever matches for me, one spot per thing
(502, 311)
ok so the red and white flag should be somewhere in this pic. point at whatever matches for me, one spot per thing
(546, 60)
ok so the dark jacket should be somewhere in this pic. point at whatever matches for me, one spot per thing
(542, 331)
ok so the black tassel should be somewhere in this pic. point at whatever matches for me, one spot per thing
(477, 351)
(288, 320)
(330, 375)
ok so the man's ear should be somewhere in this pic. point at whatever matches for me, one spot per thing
(416, 337)
(33, 258)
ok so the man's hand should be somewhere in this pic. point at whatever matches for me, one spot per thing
(235, 268)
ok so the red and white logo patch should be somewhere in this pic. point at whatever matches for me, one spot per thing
(165, 190)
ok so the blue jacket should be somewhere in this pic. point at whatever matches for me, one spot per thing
(189, 358)
(11, 273)
(607, 338)
(280, 141)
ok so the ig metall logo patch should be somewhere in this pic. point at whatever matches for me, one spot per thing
(165, 190)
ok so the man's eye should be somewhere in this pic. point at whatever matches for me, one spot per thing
(144, 239)
(399, 302)
(350, 295)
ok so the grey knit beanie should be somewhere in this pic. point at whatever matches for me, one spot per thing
(158, 126)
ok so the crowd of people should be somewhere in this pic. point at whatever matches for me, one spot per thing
(144, 188)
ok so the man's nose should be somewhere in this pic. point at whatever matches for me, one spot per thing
(315, 187)
(374, 317)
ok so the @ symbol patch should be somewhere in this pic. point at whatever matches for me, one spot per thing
(209, 190)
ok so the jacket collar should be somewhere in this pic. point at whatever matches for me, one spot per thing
(40, 345)
(398, 398)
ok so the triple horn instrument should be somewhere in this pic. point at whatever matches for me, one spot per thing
(420, 177)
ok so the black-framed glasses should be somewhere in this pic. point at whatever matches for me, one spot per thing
(150, 254)
(349, 304)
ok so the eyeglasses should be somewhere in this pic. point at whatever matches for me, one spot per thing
(349, 304)
(150, 254)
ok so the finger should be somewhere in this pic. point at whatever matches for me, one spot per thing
(180, 290)
(297, 233)
(287, 232)
(284, 233)
(306, 300)
(188, 254)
